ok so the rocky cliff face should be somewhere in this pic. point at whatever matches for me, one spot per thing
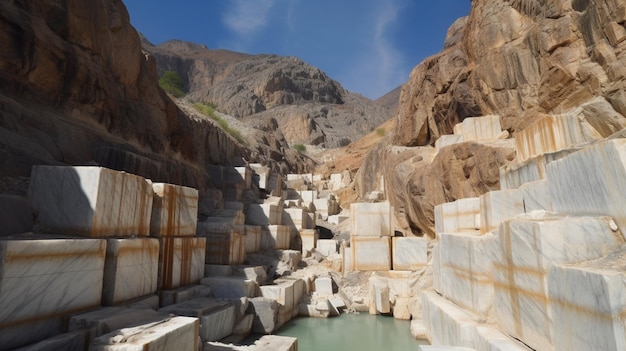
(519, 59)
(310, 107)
(76, 88)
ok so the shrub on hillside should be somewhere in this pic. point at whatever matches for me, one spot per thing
(171, 83)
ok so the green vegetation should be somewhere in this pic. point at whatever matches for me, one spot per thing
(171, 83)
(381, 131)
(299, 147)
(209, 111)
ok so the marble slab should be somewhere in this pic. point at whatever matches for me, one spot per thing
(252, 239)
(276, 237)
(217, 317)
(589, 300)
(548, 134)
(324, 286)
(465, 271)
(131, 269)
(90, 201)
(479, 128)
(309, 239)
(378, 297)
(327, 247)
(17, 215)
(591, 181)
(264, 214)
(347, 259)
(458, 216)
(525, 250)
(308, 196)
(447, 140)
(108, 319)
(181, 261)
(42, 278)
(185, 293)
(260, 175)
(175, 333)
(265, 313)
(446, 323)
(537, 196)
(294, 218)
(174, 210)
(231, 287)
(436, 265)
(498, 206)
(372, 219)
(230, 216)
(408, 253)
(371, 253)
(275, 185)
(225, 249)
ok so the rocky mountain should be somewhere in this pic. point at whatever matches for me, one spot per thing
(521, 60)
(310, 107)
(76, 88)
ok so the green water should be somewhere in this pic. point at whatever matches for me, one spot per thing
(363, 332)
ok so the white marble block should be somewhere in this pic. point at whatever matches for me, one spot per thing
(186, 293)
(525, 250)
(591, 181)
(447, 140)
(294, 218)
(174, 210)
(537, 196)
(131, 269)
(217, 317)
(479, 128)
(175, 333)
(326, 207)
(409, 254)
(90, 201)
(275, 186)
(265, 214)
(42, 279)
(589, 300)
(73, 341)
(305, 176)
(327, 247)
(252, 238)
(465, 271)
(181, 261)
(276, 237)
(276, 343)
(446, 323)
(371, 253)
(324, 286)
(347, 258)
(378, 292)
(260, 176)
(513, 175)
(231, 287)
(498, 206)
(109, 319)
(308, 196)
(228, 249)
(457, 216)
(309, 239)
(372, 219)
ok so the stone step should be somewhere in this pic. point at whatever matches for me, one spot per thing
(109, 319)
(231, 287)
(216, 316)
(186, 293)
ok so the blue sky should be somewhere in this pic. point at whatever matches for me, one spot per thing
(369, 46)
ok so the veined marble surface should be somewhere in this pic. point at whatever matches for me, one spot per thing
(176, 333)
(309, 239)
(498, 206)
(526, 248)
(537, 196)
(252, 240)
(264, 214)
(371, 253)
(479, 128)
(295, 218)
(131, 269)
(108, 319)
(327, 247)
(90, 201)
(372, 219)
(174, 210)
(217, 317)
(458, 216)
(41, 280)
(181, 261)
(408, 253)
(231, 287)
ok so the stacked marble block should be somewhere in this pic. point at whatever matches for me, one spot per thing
(483, 128)
(547, 263)
(112, 263)
(269, 217)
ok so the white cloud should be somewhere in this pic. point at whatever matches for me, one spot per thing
(389, 58)
(246, 16)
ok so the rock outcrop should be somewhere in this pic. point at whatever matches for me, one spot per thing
(521, 60)
(310, 107)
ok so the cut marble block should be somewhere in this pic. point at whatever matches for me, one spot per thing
(256, 273)
(294, 218)
(491, 339)
(218, 270)
(308, 196)
(306, 177)
(17, 216)
(275, 185)
(229, 216)
(131, 269)
(589, 300)
(228, 249)
(181, 261)
(465, 271)
(591, 181)
(512, 176)
(108, 319)
(90, 201)
(324, 286)
(74, 341)
(372, 219)
(436, 264)
(43, 278)
(348, 261)
(275, 237)
(217, 317)
(230, 175)
(260, 175)
(264, 214)
(252, 240)
(244, 175)
(327, 207)
(276, 343)
(231, 287)
(548, 134)
(337, 219)
(265, 315)
(233, 191)
(371, 253)
(327, 247)
(525, 250)
(378, 297)
(174, 210)
(479, 128)
(409, 254)
(447, 140)
(447, 324)
(309, 239)
(498, 206)
(457, 216)
(537, 196)
(186, 293)
(175, 333)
